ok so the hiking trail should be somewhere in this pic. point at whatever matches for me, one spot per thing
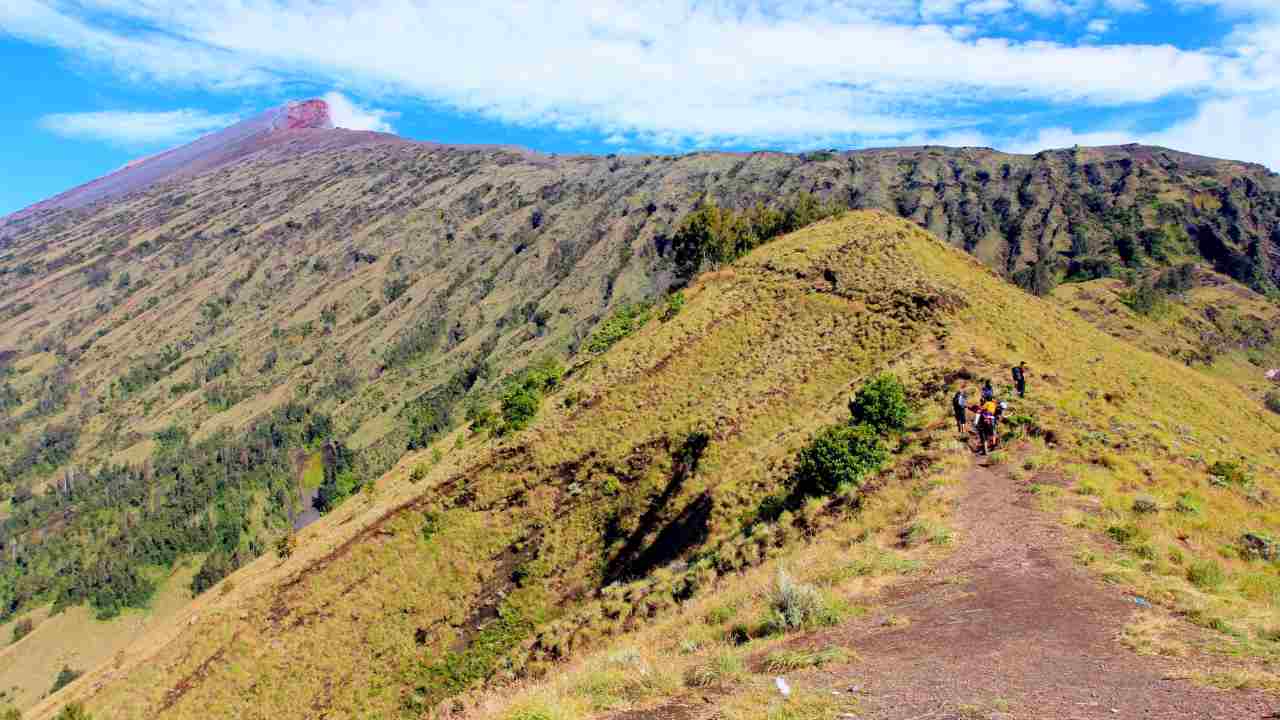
(1007, 627)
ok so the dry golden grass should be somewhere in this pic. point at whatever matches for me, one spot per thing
(764, 354)
(28, 667)
(760, 357)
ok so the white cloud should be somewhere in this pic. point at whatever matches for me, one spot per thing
(987, 7)
(1237, 129)
(1244, 7)
(136, 128)
(1098, 26)
(1127, 6)
(696, 73)
(670, 73)
(347, 114)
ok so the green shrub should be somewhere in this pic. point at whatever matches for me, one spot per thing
(22, 628)
(675, 303)
(286, 545)
(1272, 401)
(1205, 574)
(624, 321)
(881, 404)
(394, 288)
(785, 661)
(419, 472)
(458, 670)
(838, 456)
(65, 677)
(519, 407)
(523, 395)
(720, 614)
(797, 606)
(431, 523)
(1229, 472)
(1125, 534)
(1188, 504)
(715, 670)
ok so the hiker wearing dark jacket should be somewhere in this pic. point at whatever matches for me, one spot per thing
(1020, 378)
(986, 422)
(988, 392)
(958, 404)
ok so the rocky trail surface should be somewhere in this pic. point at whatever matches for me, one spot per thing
(1007, 627)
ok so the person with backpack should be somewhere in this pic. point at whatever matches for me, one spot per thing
(986, 423)
(988, 392)
(959, 405)
(1020, 378)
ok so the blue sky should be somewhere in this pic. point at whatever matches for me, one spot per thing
(93, 84)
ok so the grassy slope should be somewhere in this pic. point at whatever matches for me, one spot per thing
(29, 666)
(1218, 327)
(762, 356)
(1128, 422)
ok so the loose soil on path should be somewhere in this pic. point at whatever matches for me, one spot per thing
(1009, 627)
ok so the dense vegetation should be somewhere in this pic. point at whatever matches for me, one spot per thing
(712, 235)
(842, 455)
(226, 496)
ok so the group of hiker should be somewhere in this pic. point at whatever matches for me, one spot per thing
(988, 412)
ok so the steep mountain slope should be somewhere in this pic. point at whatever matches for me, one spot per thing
(176, 358)
(662, 465)
(203, 155)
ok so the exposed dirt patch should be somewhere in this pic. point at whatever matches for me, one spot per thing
(1009, 627)
(196, 677)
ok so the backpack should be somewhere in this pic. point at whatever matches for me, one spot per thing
(987, 421)
(987, 393)
(1017, 373)
(958, 400)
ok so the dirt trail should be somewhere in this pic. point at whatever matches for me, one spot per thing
(1009, 627)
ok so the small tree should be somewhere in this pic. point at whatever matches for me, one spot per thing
(519, 406)
(837, 456)
(286, 545)
(65, 677)
(882, 404)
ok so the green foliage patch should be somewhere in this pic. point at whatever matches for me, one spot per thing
(712, 236)
(839, 456)
(624, 321)
(881, 404)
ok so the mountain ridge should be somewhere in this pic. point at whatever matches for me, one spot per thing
(319, 307)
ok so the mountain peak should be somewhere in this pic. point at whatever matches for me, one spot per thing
(268, 128)
(312, 114)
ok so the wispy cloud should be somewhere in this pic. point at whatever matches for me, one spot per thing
(671, 72)
(134, 129)
(348, 114)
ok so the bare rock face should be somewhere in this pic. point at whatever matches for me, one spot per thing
(305, 115)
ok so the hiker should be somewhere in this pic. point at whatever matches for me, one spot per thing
(959, 403)
(988, 392)
(986, 424)
(1020, 378)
